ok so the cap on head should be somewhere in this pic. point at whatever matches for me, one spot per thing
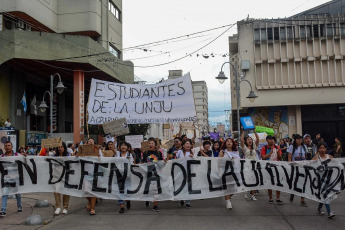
(306, 135)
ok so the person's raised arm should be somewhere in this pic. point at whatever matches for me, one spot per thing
(221, 153)
(242, 137)
(257, 138)
(180, 131)
(194, 136)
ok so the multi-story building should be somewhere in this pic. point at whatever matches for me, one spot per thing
(79, 40)
(200, 92)
(201, 105)
(296, 70)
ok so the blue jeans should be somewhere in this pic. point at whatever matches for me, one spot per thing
(120, 202)
(327, 207)
(4, 202)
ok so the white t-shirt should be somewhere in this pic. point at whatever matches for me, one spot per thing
(249, 154)
(180, 154)
(118, 154)
(70, 151)
(231, 154)
(7, 124)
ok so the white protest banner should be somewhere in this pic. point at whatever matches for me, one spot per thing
(134, 140)
(166, 102)
(181, 179)
(117, 127)
(51, 142)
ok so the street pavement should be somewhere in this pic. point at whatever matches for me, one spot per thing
(205, 214)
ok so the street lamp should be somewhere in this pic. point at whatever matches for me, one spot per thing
(221, 78)
(251, 95)
(43, 106)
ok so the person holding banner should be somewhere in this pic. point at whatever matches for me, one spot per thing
(271, 152)
(322, 156)
(249, 151)
(110, 147)
(9, 153)
(216, 148)
(61, 152)
(124, 152)
(206, 151)
(152, 155)
(229, 149)
(186, 151)
(297, 152)
(91, 200)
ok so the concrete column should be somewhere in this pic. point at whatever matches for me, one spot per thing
(78, 106)
(299, 119)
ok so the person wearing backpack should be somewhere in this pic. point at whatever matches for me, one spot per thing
(271, 152)
(297, 152)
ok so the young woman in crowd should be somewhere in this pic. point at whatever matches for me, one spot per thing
(91, 200)
(61, 152)
(216, 148)
(152, 155)
(110, 147)
(21, 151)
(124, 152)
(249, 151)
(297, 152)
(186, 151)
(322, 150)
(229, 150)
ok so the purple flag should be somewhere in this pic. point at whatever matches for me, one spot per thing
(214, 136)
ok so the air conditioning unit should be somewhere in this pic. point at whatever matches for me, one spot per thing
(28, 27)
(20, 24)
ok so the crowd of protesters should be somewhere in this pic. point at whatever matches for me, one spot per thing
(297, 148)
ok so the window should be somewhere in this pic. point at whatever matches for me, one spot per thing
(114, 51)
(329, 30)
(263, 35)
(316, 31)
(115, 10)
(290, 32)
(256, 35)
(269, 34)
(282, 33)
(302, 33)
(276, 33)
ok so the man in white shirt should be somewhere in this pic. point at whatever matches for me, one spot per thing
(7, 123)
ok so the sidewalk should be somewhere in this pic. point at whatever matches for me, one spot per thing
(14, 220)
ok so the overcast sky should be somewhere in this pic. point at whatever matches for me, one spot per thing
(155, 20)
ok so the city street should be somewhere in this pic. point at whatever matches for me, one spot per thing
(204, 214)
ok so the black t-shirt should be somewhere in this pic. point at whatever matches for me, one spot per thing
(152, 156)
(208, 153)
(283, 146)
(172, 150)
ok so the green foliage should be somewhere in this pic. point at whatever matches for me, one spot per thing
(2, 122)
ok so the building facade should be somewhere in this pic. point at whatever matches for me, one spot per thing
(79, 40)
(200, 92)
(296, 70)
